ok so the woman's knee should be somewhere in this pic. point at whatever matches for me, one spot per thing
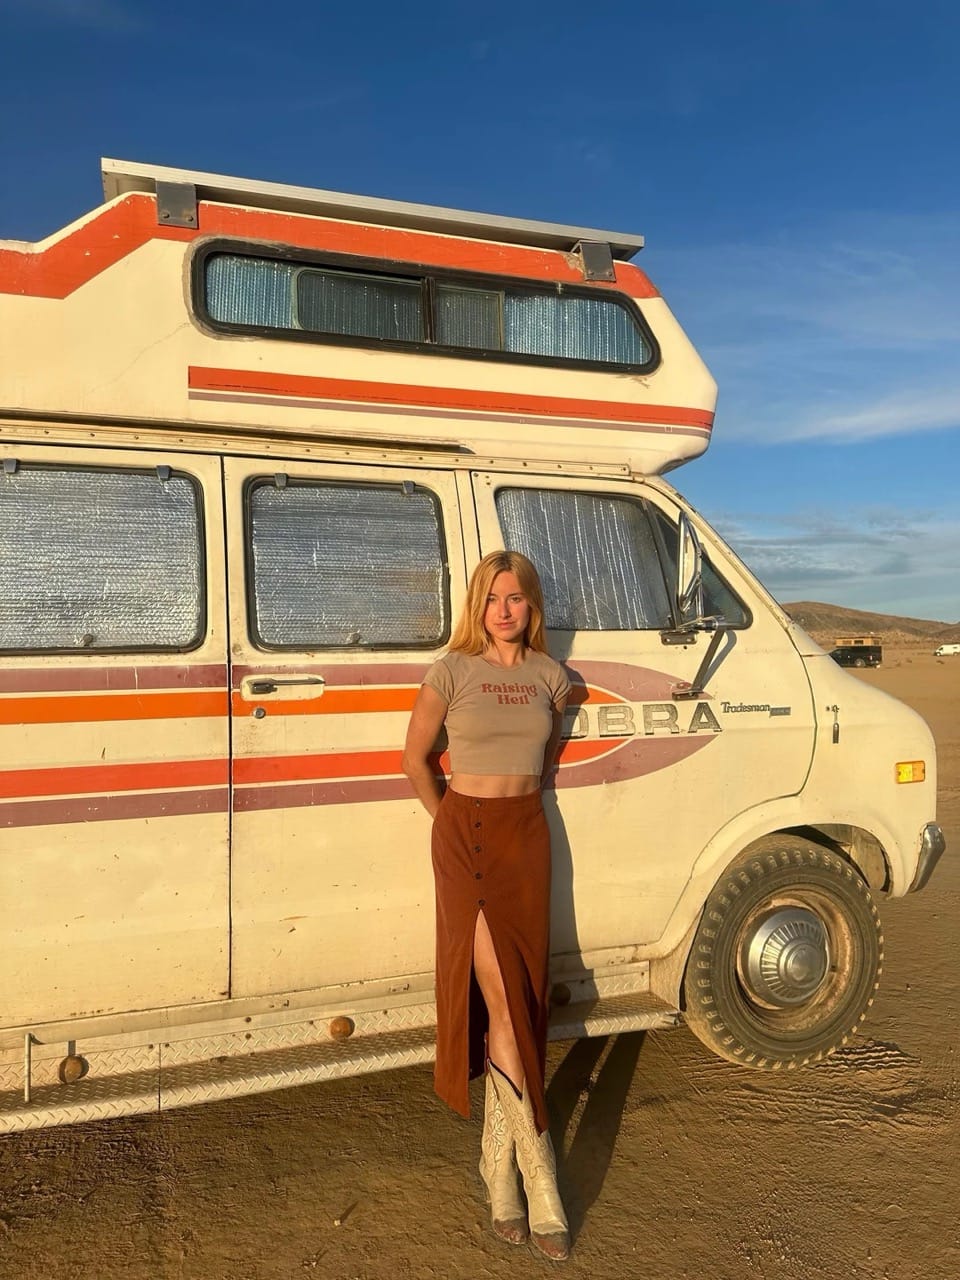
(488, 976)
(485, 962)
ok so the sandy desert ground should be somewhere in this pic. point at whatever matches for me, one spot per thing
(674, 1163)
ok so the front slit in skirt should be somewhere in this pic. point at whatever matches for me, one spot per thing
(491, 856)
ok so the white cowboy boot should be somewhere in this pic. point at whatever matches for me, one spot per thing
(548, 1222)
(498, 1169)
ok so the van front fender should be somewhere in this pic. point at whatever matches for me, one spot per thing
(783, 814)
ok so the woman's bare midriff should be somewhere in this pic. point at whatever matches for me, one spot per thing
(494, 786)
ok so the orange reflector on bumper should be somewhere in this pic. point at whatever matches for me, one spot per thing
(911, 770)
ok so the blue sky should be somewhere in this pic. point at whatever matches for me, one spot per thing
(793, 167)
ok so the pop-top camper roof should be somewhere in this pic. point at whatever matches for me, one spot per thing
(222, 305)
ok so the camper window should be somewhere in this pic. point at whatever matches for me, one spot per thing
(596, 557)
(552, 325)
(345, 566)
(469, 317)
(93, 560)
(255, 293)
(514, 320)
(360, 305)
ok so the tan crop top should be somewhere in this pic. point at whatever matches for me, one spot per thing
(498, 719)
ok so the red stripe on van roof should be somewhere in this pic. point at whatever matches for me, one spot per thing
(55, 268)
(451, 398)
(59, 266)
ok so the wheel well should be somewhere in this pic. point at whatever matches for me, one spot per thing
(853, 843)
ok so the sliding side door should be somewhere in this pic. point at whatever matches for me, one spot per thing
(343, 581)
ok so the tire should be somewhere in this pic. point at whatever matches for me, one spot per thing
(859, 662)
(787, 958)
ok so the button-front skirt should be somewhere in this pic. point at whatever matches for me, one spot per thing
(491, 856)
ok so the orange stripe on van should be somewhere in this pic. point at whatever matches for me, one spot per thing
(98, 707)
(176, 777)
(366, 700)
(333, 702)
(185, 705)
(587, 695)
(81, 779)
(413, 247)
(348, 764)
(69, 259)
(579, 750)
(374, 764)
(450, 398)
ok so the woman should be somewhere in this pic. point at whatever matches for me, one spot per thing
(500, 697)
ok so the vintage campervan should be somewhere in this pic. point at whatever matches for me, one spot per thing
(252, 440)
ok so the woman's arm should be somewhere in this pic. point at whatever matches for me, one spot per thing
(552, 748)
(426, 721)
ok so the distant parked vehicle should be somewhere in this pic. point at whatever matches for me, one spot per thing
(945, 650)
(848, 655)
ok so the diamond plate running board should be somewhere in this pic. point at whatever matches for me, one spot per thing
(156, 1076)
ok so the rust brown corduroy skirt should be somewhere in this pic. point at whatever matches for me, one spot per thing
(491, 856)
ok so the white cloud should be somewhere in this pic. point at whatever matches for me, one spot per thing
(846, 332)
(900, 414)
(861, 560)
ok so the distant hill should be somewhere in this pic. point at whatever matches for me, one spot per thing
(825, 622)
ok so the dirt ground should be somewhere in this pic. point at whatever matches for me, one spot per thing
(673, 1163)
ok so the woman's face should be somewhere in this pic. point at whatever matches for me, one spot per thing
(507, 612)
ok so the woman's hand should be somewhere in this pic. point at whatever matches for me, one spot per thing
(426, 721)
(551, 750)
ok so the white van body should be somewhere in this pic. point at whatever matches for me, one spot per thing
(946, 650)
(253, 440)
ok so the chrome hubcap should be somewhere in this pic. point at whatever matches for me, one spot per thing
(786, 957)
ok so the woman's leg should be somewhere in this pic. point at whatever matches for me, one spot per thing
(498, 1165)
(501, 1041)
(534, 1153)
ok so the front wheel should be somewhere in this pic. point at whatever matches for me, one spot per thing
(787, 958)
(859, 662)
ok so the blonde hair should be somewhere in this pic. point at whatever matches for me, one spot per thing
(469, 635)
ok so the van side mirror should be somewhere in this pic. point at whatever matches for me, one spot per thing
(689, 588)
(690, 615)
(689, 606)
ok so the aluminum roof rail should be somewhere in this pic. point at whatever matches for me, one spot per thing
(122, 176)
